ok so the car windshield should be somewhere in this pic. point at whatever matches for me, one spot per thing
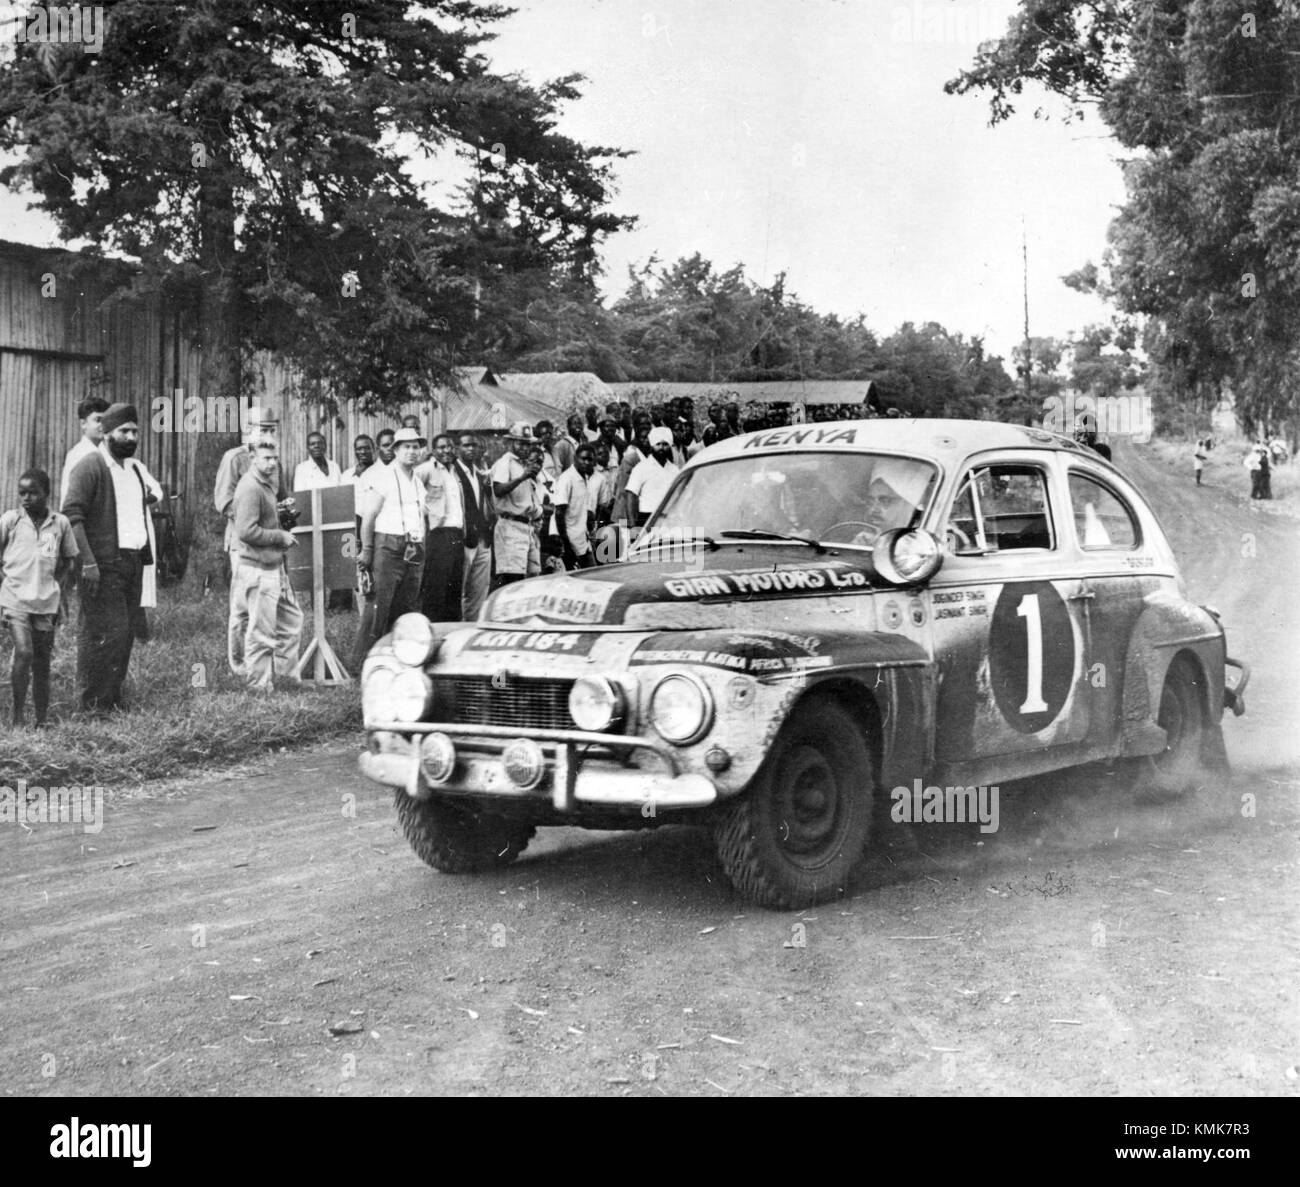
(833, 498)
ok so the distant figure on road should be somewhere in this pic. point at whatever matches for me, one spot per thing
(1256, 463)
(1199, 455)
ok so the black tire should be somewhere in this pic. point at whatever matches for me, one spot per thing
(457, 839)
(792, 839)
(1180, 766)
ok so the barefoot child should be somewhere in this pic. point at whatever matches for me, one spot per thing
(36, 550)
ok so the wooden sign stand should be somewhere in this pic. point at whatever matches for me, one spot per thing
(328, 668)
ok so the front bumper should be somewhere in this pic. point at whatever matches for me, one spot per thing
(572, 778)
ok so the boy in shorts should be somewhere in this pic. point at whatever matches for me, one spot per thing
(36, 551)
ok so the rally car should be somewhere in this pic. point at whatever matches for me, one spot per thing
(814, 618)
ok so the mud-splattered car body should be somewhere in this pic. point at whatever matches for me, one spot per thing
(1020, 613)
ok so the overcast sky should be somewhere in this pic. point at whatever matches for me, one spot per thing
(813, 137)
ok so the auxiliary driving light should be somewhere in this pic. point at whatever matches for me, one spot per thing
(524, 763)
(410, 695)
(437, 758)
(595, 703)
(414, 641)
(907, 556)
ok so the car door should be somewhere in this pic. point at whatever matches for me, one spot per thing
(1118, 571)
(1007, 615)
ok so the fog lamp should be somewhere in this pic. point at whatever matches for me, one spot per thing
(524, 763)
(437, 757)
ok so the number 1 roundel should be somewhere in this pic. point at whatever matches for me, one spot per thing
(1031, 655)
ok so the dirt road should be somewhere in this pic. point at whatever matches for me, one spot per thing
(208, 938)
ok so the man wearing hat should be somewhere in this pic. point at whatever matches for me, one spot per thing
(392, 541)
(515, 545)
(650, 481)
(108, 508)
(261, 424)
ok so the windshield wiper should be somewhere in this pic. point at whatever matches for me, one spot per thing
(757, 534)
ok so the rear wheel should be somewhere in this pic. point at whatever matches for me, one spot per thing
(458, 839)
(1179, 767)
(793, 838)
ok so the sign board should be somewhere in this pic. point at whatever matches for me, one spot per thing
(338, 537)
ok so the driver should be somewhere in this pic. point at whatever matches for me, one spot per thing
(885, 508)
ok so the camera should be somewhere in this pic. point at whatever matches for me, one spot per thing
(287, 510)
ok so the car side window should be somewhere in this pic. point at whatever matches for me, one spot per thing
(1001, 508)
(1101, 518)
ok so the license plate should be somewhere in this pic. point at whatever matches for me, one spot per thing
(483, 774)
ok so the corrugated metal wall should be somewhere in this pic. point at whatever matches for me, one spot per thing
(57, 345)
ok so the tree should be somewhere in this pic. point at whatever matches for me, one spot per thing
(255, 153)
(1206, 96)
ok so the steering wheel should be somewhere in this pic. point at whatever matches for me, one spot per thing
(963, 541)
(850, 523)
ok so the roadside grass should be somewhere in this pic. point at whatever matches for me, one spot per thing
(186, 710)
(1224, 471)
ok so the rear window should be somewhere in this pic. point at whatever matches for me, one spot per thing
(1101, 518)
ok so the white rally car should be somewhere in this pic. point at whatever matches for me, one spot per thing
(814, 616)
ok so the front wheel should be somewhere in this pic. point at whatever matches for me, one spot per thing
(793, 838)
(457, 839)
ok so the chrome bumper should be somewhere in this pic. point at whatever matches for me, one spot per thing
(570, 779)
(1234, 694)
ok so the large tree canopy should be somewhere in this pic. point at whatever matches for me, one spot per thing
(1206, 95)
(258, 153)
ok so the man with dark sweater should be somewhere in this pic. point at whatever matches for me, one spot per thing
(108, 508)
(262, 581)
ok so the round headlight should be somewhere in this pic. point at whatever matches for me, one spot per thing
(376, 694)
(410, 694)
(414, 641)
(907, 557)
(681, 709)
(595, 703)
(524, 763)
(437, 757)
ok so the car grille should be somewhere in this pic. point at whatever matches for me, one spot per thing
(523, 703)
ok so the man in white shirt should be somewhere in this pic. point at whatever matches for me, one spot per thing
(392, 541)
(650, 481)
(363, 454)
(90, 412)
(576, 496)
(318, 470)
(519, 508)
(444, 517)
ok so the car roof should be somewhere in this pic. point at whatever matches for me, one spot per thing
(940, 440)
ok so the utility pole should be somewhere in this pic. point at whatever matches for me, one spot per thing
(1024, 257)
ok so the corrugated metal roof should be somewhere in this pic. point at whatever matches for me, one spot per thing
(483, 407)
(561, 388)
(775, 391)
